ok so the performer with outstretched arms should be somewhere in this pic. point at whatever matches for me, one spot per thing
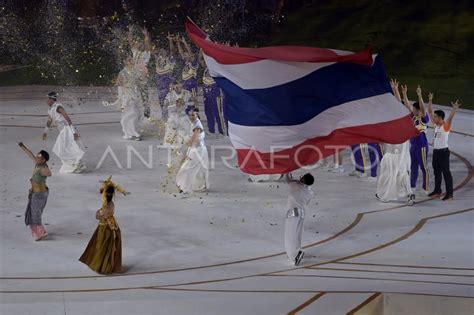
(67, 146)
(38, 194)
(189, 73)
(418, 144)
(441, 149)
(165, 64)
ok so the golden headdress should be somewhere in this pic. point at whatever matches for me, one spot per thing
(109, 183)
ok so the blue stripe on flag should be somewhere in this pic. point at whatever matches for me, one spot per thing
(300, 100)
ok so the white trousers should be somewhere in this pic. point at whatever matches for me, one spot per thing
(130, 116)
(293, 232)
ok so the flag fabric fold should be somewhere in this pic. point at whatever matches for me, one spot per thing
(290, 106)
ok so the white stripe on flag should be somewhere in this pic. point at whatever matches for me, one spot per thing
(263, 73)
(367, 111)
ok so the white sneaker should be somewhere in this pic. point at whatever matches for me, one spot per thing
(380, 199)
(127, 137)
(79, 168)
(136, 138)
(337, 169)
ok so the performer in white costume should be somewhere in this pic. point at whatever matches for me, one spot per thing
(67, 146)
(128, 100)
(177, 125)
(394, 177)
(299, 197)
(193, 174)
(141, 53)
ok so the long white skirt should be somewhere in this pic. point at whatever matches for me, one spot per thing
(394, 177)
(68, 150)
(193, 175)
(130, 116)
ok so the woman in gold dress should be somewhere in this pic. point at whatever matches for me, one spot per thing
(104, 251)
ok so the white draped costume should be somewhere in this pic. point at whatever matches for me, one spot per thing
(129, 101)
(177, 125)
(66, 148)
(193, 174)
(394, 176)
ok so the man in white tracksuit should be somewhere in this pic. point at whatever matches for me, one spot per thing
(298, 198)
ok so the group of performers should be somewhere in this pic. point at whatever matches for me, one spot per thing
(399, 164)
(185, 134)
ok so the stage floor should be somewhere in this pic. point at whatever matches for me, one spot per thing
(219, 252)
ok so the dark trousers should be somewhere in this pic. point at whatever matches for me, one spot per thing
(441, 168)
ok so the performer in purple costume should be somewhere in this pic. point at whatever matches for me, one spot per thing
(375, 152)
(212, 103)
(418, 144)
(189, 73)
(164, 75)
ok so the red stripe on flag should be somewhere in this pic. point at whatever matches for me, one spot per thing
(312, 150)
(236, 55)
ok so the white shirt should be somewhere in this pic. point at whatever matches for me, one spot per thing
(198, 125)
(441, 135)
(300, 195)
(57, 117)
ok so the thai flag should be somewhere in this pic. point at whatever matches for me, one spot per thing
(290, 106)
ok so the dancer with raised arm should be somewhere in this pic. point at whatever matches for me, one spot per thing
(441, 151)
(38, 194)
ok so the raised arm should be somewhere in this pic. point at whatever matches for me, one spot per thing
(430, 106)
(394, 86)
(146, 39)
(455, 106)
(27, 151)
(186, 46)
(201, 59)
(180, 49)
(406, 102)
(420, 101)
(172, 47)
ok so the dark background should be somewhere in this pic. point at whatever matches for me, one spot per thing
(81, 42)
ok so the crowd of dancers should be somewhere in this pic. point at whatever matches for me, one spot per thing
(395, 167)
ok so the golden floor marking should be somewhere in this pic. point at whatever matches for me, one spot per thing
(403, 237)
(345, 230)
(404, 266)
(305, 304)
(364, 303)
(368, 278)
(306, 291)
(392, 272)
